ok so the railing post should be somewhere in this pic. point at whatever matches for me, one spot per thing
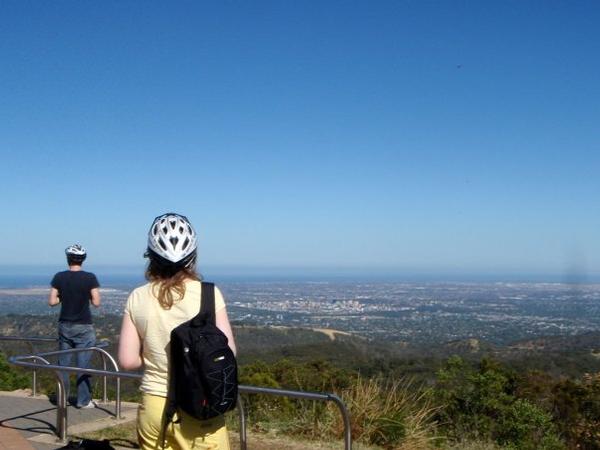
(118, 400)
(104, 396)
(61, 411)
(34, 375)
(34, 384)
(346, 418)
(105, 355)
(240, 405)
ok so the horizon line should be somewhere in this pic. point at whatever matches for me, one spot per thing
(306, 272)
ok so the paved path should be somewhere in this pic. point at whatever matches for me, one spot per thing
(30, 423)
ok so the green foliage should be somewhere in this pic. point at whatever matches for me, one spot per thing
(576, 409)
(262, 407)
(533, 399)
(390, 430)
(298, 415)
(480, 403)
(10, 377)
(524, 426)
(311, 376)
(384, 412)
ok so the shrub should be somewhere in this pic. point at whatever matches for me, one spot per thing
(262, 407)
(526, 427)
(389, 413)
(481, 404)
(393, 414)
(10, 377)
(576, 410)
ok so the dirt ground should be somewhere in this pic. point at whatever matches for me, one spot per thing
(123, 437)
(267, 442)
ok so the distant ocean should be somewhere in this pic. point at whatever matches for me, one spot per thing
(20, 281)
(130, 279)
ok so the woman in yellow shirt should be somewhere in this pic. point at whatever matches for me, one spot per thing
(171, 297)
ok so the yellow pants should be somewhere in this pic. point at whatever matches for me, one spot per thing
(189, 433)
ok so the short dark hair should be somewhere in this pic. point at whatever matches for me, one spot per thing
(75, 260)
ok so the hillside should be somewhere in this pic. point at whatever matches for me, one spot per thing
(398, 394)
(559, 355)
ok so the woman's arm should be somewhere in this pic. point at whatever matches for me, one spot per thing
(130, 345)
(222, 322)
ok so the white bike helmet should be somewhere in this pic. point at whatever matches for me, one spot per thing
(172, 238)
(75, 252)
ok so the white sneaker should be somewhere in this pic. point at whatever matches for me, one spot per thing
(90, 405)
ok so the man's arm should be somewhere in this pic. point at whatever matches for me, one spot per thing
(95, 299)
(53, 299)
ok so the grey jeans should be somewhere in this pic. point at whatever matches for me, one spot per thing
(77, 335)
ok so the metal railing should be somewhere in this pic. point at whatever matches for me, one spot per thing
(28, 339)
(294, 394)
(61, 409)
(61, 413)
(98, 348)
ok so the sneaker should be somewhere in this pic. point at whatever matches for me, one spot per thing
(90, 405)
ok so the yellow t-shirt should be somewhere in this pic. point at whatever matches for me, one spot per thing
(154, 325)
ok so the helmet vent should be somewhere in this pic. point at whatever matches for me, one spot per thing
(162, 244)
(173, 224)
(76, 251)
(174, 240)
(185, 243)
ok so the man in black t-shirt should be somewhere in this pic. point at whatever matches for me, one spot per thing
(74, 290)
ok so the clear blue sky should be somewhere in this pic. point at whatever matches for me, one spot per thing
(404, 135)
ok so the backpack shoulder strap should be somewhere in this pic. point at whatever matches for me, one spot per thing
(207, 301)
(171, 402)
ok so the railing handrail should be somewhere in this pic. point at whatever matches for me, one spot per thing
(242, 389)
(98, 347)
(300, 395)
(28, 339)
(18, 361)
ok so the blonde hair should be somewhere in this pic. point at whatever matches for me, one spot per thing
(168, 281)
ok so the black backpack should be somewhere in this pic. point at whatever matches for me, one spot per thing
(202, 368)
(88, 444)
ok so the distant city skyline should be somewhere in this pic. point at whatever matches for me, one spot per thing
(498, 313)
(392, 137)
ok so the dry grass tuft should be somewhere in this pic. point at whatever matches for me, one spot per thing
(393, 414)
